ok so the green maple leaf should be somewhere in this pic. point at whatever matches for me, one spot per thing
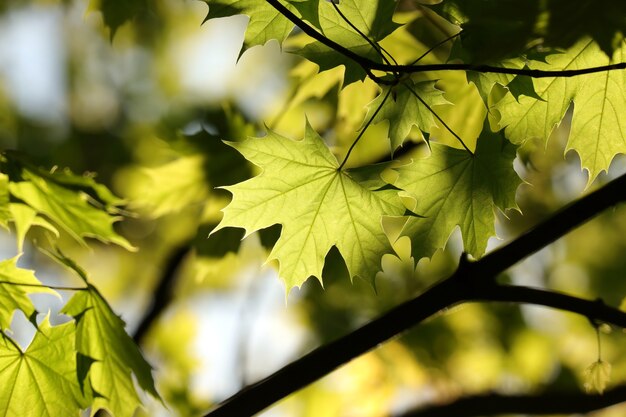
(403, 109)
(453, 187)
(25, 217)
(15, 285)
(597, 131)
(373, 18)
(266, 23)
(57, 199)
(317, 204)
(68, 209)
(43, 380)
(100, 336)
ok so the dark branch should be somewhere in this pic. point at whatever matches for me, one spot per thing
(368, 65)
(163, 292)
(325, 359)
(540, 404)
(534, 73)
(473, 281)
(555, 227)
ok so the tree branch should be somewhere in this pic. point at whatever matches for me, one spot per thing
(368, 65)
(472, 281)
(540, 404)
(163, 291)
(568, 218)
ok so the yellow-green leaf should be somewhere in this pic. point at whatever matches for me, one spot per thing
(69, 209)
(597, 376)
(598, 131)
(100, 335)
(317, 204)
(455, 188)
(15, 285)
(43, 381)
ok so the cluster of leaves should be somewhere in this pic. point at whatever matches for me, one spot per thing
(320, 199)
(89, 361)
(321, 204)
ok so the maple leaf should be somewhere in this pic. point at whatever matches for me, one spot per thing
(14, 296)
(100, 336)
(373, 18)
(43, 380)
(317, 204)
(453, 187)
(68, 209)
(597, 131)
(597, 375)
(403, 109)
(266, 23)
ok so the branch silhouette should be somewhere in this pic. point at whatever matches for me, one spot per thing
(368, 65)
(472, 281)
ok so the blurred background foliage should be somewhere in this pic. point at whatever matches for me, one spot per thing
(143, 94)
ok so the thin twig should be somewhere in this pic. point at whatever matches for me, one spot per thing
(163, 291)
(434, 113)
(432, 48)
(368, 65)
(361, 34)
(52, 287)
(379, 49)
(345, 159)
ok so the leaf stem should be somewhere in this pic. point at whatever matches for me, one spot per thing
(379, 49)
(430, 109)
(432, 48)
(52, 287)
(369, 122)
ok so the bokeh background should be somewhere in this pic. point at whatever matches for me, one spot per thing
(146, 108)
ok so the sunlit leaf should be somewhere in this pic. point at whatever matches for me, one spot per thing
(43, 380)
(371, 17)
(68, 209)
(100, 336)
(454, 188)
(265, 24)
(599, 99)
(15, 285)
(317, 205)
(597, 376)
(403, 109)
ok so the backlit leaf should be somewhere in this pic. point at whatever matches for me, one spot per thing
(100, 335)
(15, 285)
(265, 24)
(317, 205)
(43, 380)
(403, 109)
(454, 188)
(597, 375)
(371, 17)
(597, 132)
